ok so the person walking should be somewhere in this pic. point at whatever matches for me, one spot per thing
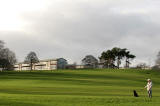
(149, 88)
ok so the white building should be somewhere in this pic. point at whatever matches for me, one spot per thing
(50, 64)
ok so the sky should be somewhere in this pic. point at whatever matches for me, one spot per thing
(73, 29)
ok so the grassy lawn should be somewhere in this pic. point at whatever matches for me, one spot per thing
(100, 87)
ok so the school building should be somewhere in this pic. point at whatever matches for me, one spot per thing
(49, 64)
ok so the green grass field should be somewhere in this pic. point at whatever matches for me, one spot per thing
(101, 87)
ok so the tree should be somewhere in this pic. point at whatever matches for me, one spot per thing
(158, 59)
(157, 65)
(115, 55)
(1, 44)
(128, 57)
(7, 57)
(31, 59)
(108, 59)
(1, 48)
(119, 55)
(90, 61)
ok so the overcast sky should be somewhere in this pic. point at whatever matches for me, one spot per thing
(75, 28)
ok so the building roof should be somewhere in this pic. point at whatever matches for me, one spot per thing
(42, 60)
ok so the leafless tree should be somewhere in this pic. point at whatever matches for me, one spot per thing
(7, 57)
(31, 58)
(158, 59)
(90, 61)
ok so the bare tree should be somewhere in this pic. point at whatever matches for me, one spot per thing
(157, 62)
(7, 57)
(1, 44)
(90, 61)
(158, 59)
(31, 58)
(1, 48)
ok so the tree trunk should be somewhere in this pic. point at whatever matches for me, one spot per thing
(118, 62)
(31, 64)
(126, 63)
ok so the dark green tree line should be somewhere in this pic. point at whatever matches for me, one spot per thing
(113, 58)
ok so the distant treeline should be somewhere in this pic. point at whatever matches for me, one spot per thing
(110, 58)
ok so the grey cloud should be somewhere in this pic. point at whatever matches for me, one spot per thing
(75, 29)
